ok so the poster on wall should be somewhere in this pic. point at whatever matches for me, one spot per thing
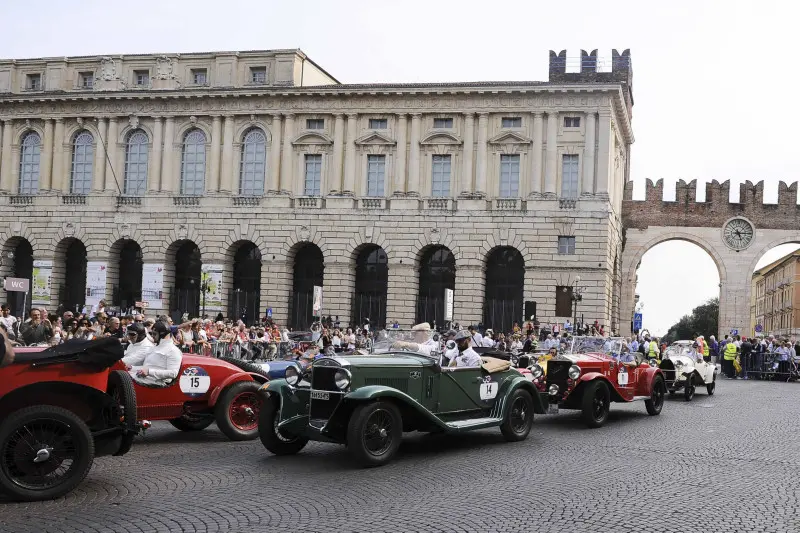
(96, 281)
(42, 277)
(317, 307)
(211, 281)
(153, 285)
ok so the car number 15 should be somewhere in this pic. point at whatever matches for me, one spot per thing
(319, 395)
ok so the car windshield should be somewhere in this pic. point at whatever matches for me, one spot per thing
(678, 349)
(606, 345)
(385, 338)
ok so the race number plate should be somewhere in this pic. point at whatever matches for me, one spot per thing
(319, 395)
(194, 382)
(552, 409)
(622, 379)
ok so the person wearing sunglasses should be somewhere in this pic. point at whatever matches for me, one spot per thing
(138, 345)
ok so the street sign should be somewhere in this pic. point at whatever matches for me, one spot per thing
(448, 305)
(759, 328)
(734, 332)
(269, 312)
(637, 321)
(17, 284)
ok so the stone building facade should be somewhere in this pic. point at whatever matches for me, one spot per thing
(774, 290)
(113, 168)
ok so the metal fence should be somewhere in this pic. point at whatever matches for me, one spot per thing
(766, 366)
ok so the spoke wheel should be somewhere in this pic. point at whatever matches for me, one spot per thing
(237, 410)
(374, 433)
(244, 410)
(656, 401)
(45, 452)
(595, 404)
(273, 439)
(519, 420)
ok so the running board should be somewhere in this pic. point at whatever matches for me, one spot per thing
(474, 423)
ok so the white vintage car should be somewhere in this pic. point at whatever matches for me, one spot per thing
(684, 370)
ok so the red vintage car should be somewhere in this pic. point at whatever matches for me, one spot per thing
(60, 408)
(207, 390)
(594, 373)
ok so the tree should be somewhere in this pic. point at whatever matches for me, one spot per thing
(704, 320)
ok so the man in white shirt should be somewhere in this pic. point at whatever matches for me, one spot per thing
(487, 341)
(467, 357)
(8, 319)
(477, 338)
(139, 345)
(159, 364)
(423, 343)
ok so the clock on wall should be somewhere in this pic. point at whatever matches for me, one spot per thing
(738, 233)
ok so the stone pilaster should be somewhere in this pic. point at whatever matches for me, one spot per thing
(400, 165)
(6, 183)
(536, 155)
(170, 180)
(588, 155)
(113, 173)
(338, 155)
(401, 298)
(551, 164)
(468, 295)
(59, 183)
(350, 156)
(46, 160)
(469, 153)
(154, 177)
(413, 158)
(275, 156)
(98, 180)
(483, 153)
(604, 155)
(228, 179)
(287, 167)
(214, 183)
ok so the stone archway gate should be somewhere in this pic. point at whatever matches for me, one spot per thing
(651, 221)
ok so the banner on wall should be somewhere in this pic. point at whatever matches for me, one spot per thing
(96, 281)
(42, 278)
(211, 283)
(317, 305)
(153, 285)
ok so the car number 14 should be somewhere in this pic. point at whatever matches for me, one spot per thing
(319, 395)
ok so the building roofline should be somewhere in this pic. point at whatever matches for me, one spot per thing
(775, 263)
(68, 59)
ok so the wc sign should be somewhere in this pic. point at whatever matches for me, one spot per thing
(17, 284)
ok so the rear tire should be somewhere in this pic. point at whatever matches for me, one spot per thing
(656, 401)
(275, 441)
(237, 410)
(120, 387)
(60, 436)
(519, 420)
(595, 404)
(374, 433)
(191, 423)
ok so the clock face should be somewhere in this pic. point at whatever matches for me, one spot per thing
(738, 233)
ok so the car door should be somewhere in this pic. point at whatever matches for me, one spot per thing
(460, 392)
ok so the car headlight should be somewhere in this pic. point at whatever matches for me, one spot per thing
(342, 378)
(574, 372)
(653, 363)
(292, 376)
(537, 371)
(678, 364)
(553, 390)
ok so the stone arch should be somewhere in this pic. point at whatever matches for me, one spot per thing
(434, 237)
(431, 284)
(190, 299)
(242, 293)
(12, 238)
(67, 293)
(74, 230)
(125, 132)
(26, 128)
(118, 289)
(72, 129)
(244, 129)
(301, 295)
(370, 271)
(301, 236)
(504, 237)
(17, 261)
(503, 287)
(367, 237)
(182, 232)
(789, 238)
(183, 129)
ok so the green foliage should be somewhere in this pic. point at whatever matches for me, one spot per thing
(704, 320)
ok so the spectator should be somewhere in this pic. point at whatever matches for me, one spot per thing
(35, 330)
(114, 328)
(8, 320)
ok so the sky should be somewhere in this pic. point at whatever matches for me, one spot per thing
(714, 81)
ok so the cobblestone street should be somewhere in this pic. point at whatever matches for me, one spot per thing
(722, 463)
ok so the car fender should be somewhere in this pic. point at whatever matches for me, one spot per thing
(377, 392)
(650, 374)
(510, 385)
(233, 378)
(588, 377)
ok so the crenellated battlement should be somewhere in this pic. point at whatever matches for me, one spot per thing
(621, 70)
(686, 211)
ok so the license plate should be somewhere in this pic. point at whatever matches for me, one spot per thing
(552, 409)
(319, 395)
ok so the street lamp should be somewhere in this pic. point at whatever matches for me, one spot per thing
(576, 296)
(204, 288)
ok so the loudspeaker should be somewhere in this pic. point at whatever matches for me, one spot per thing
(530, 310)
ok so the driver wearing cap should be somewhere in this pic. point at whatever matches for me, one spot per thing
(159, 363)
(467, 357)
(423, 343)
(138, 345)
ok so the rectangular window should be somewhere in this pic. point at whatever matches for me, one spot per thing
(378, 123)
(509, 175)
(572, 122)
(440, 183)
(512, 122)
(199, 76)
(569, 176)
(315, 124)
(87, 80)
(376, 175)
(566, 245)
(443, 123)
(313, 174)
(33, 82)
(141, 77)
(258, 74)
(563, 301)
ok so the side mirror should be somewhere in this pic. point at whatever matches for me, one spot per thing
(450, 345)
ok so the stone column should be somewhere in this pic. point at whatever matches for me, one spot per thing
(413, 158)
(112, 176)
(168, 179)
(551, 170)
(46, 165)
(58, 182)
(400, 166)
(604, 152)
(536, 155)
(469, 151)
(588, 156)
(5, 157)
(401, 297)
(286, 161)
(468, 294)
(214, 183)
(350, 157)
(227, 179)
(275, 155)
(338, 155)
(98, 180)
(155, 164)
(483, 153)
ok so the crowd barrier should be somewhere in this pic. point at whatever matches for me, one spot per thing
(767, 366)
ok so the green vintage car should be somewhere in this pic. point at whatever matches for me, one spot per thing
(367, 401)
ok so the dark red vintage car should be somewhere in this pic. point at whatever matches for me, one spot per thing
(59, 409)
(593, 373)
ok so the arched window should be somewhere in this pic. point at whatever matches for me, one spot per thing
(23, 268)
(193, 164)
(82, 163)
(308, 272)
(505, 282)
(129, 290)
(188, 273)
(74, 288)
(254, 164)
(136, 164)
(30, 152)
(437, 272)
(372, 283)
(244, 301)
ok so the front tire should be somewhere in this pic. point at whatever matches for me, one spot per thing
(120, 387)
(711, 386)
(271, 437)
(237, 410)
(689, 389)
(656, 401)
(45, 452)
(191, 423)
(374, 433)
(595, 404)
(519, 420)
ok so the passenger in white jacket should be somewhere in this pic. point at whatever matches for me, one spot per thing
(138, 345)
(161, 362)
